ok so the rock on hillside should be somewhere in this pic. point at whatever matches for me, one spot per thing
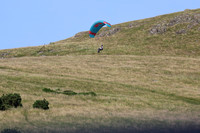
(190, 19)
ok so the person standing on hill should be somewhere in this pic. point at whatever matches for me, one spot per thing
(101, 48)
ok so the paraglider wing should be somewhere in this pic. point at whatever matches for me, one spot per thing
(96, 27)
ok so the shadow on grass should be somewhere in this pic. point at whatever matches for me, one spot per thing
(10, 131)
(160, 128)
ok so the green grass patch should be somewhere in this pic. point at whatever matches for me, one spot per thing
(49, 90)
(68, 92)
(2, 67)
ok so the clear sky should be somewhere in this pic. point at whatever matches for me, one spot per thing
(37, 22)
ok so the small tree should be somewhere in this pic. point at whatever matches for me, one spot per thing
(42, 104)
(10, 100)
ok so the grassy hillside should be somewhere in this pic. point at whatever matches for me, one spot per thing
(132, 92)
(176, 34)
(147, 79)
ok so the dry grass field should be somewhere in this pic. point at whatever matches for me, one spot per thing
(147, 79)
(134, 93)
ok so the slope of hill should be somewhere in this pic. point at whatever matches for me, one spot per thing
(176, 34)
(147, 79)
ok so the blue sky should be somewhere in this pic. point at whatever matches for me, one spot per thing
(37, 22)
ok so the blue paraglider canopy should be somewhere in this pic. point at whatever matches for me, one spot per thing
(96, 27)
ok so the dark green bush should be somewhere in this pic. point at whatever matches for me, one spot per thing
(48, 90)
(42, 104)
(2, 105)
(10, 100)
(69, 92)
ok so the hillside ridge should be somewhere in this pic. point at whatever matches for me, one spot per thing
(176, 34)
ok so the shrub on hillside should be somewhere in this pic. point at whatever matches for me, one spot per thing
(69, 92)
(2, 105)
(48, 90)
(42, 104)
(10, 100)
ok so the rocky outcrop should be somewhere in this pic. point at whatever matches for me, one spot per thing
(4, 55)
(159, 29)
(182, 31)
(135, 24)
(109, 32)
(191, 19)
